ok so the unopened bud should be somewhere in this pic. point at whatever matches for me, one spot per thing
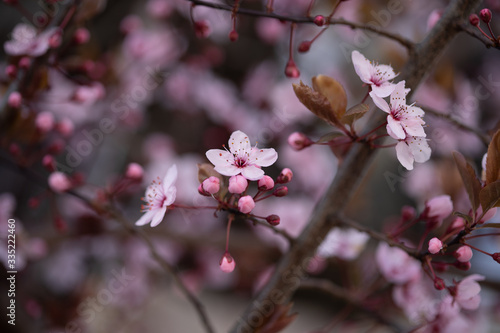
(24, 62)
(435, 245)
(134, 171)
(233, 36)
(485, 15)
(304, 46)
(496, 257)
(246, 204)
(49, 163)
(285, 176)
(319, 20)
(265, 183)
(273, 219)
(291, 70)
(464, 266)
(202, 191)
(15, 100)
(44, 121)
(11, 71)
(280, 191)
(227, 263)
(81, 36)
(299, 141)
(202, 29)
(463, 253)
(211, 185)
(439, 284)
(474, 20)
(408, 213)
(237, 184)
(59, 182)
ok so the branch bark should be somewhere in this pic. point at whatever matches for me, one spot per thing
(291, 269)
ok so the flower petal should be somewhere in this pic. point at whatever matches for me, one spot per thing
(404, 155)
(170, 194)
(383, 90)
(252, 172)
(398, 96)
(227, 170)
(362, 66)
(413, 126)
(419, 149)
(146, 217)
(239, 143)
(160, 214)
(380, 102)
(219, 157)
(263, 157)
(385, 72)
(170, 178)
(396, 128)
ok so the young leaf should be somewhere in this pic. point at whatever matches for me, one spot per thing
(330, 136)
(205, 171)
(471, 182)
(333, 91)
(493, 159)
(316, 103)
(490, 196)
(354, 113)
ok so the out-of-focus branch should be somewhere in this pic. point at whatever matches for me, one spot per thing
(474, 32)
(327, 212)
(457, 123)
(249, 12)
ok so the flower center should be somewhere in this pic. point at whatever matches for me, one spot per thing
(240, 161)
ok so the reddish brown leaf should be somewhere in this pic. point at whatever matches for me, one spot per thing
(278, 320)
(333, 91)
(490, 196)
(354, 113)
(330, 136)
(471, 182)
(493, 159)
(316, 103)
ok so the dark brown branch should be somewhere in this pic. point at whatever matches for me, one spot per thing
(328, 211)
(474, 32)
(250, 12)
(456, 122)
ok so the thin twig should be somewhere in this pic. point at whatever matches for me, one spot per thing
(250, 12)
(472, 31)
(457, 123)
(281, 232)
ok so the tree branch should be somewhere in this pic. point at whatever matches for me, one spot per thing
(249, 12)
(474, 32)
(328, 211)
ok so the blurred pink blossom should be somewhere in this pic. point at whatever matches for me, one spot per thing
(26, 41)
(345, 244)
(396, 265)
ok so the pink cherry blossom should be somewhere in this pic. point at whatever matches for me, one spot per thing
(44, 121)
(241, 158)
(134, 171)
(396, 265)
(227, 263)
(266, 183)
(435, 245)
(159, 195)
(59, 182)
(412, 149)
(26, 41)
(377, 76)
(211, 185)
(467, 292)
(15, 99)
(403, 119)
(246, 204)
(463, 253)
(237, 184)
(345, 244)
(438, 208)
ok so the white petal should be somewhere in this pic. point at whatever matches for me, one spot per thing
(383, 90)
(160, 214)
(362, 66)
(170, 178)
(170, 194)
(404, 155)
(252, 172)
(227, 170)
(219, 157)
(264, 157)
(239, 143)
(414, 127)
(380, 102)
(398, 96)
(385, 72)
(420, 149)
(396, 128)
(146, 217)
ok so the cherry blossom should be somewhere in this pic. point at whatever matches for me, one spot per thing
(403, 119)
(159, 195)
(463, 253)
(26, 41)
(396, 265)
(246, 204)
(241, 158)
(377, 76)
(227, 263)
(412, 149)
(438, 208)
(435, 245)
(467, 292)
(343, 243)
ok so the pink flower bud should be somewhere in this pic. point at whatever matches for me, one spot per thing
(55, 40)
(24, 62)
(15, 100)
(211, 185)
(11, 71)
(246, 204)
(319, 20)
(273, 219)
(59, 182)
(439, 284)
(44, 121)
(266, 183)
(438, 208)
(237, 184)
(65, 127)
(486, 217)
(280, 191)
(49, 163)
(463, 253)
(474, 20)
(227, 263)
(408, 213)
(202, 29)
(285, 176)
(233, 36)
(134, 172)
(456, 226)
(299, 141)
(56, 147)
(81, 36)
(435, 245)
(202, 191)
(305, 46)
(464, 266)
(496, 257)
(485, 15)
(291, 70)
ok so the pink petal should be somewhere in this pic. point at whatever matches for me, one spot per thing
(264, 157)
(145, 218)
(396, 128)
(383, 90)
(471, 303)
(170, 194)
(160, 214)
(227, 170)
(252, 173)
(362, 66)
(420, 149)
(414, 127)
(398, 96)
(380, 102)
(404, 155)
(170, 178)
(219, 157)
(385, 72)
(239, 143)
